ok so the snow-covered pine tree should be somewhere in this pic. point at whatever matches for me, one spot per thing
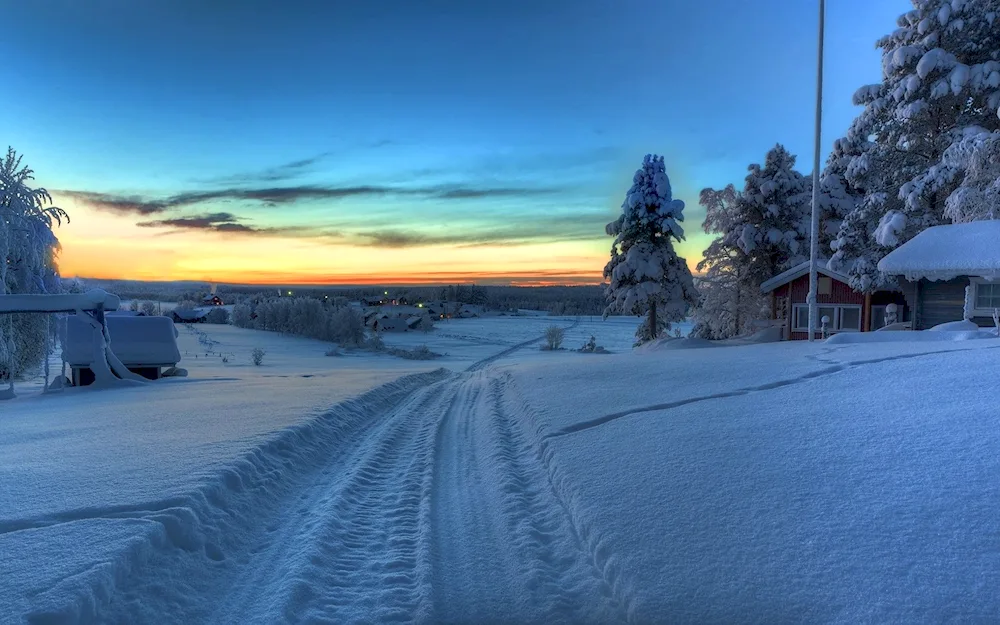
(645, 276)
(940, 85)
(729, 302)
(978, 194)
(27, 263)
(762, 230)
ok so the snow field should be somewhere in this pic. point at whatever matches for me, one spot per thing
(774, 482)
(858, 490)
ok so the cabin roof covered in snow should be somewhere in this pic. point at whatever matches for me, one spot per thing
(949, 251)
(797, 272)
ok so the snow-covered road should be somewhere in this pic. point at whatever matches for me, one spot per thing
(424, 502)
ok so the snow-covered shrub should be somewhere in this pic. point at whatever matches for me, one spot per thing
(346, 327)
(242, 316)
(27, 264)
(554, 337)
(645, 276)
(420, 352)
(148, 308)
(375, 342)
(257, 356)
(187, 304)
(134, 305)
(591, 347)
(217, 315)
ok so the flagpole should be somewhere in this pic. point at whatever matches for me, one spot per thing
(813, 231)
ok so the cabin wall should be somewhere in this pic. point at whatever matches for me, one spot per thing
(940, 302)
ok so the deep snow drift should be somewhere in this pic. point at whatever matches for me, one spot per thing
(768, 483)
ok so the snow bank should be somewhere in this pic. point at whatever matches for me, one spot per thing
(906, 336)
(671, 343)
(956, 326)
(949, 251)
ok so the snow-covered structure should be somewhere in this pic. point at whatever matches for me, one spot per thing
(89, 308)
(950, 273)
(848, 310)
(645, 275)
(144, 345)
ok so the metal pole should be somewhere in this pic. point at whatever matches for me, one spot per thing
(814, 229)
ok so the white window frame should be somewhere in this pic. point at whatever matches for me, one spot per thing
(834, 323)
(973, 293)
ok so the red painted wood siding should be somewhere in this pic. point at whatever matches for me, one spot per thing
(798, 289)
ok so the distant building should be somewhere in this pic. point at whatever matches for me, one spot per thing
(188, 316)
(390, 325)
(211, 300)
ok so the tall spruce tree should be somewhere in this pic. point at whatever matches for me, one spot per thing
(645, 275)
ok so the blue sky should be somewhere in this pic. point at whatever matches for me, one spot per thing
(357, 128)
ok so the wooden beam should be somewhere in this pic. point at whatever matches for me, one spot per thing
(867, 312)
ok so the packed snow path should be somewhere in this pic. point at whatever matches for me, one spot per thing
(423, 503)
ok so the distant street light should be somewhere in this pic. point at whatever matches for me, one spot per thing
(813, 230)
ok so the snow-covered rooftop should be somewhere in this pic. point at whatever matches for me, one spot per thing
(798, 271)
(949, 251)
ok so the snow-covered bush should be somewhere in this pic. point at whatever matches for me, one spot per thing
(217, 315)
(375, 342)
(420, 352)
(645, 276)
(27, 264)
(257, 356)
(554, 337)
(242, 316)
(346, 327)
(148, 308)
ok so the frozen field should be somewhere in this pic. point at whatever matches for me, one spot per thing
(835, 483)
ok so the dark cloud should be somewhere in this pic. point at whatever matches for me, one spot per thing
(137, 205)
(120, 204)
(221, 222)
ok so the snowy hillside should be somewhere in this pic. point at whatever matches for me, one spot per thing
(784, 482)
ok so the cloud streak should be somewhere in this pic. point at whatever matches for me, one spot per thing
(226, 223)
(145, 206)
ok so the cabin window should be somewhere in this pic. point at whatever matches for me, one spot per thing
(987, 296)
(825, 285)
(843, 317)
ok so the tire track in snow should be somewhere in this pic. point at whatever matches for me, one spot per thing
(351, 548)
(614, 581)
(501, 548)
(199, 544)
(812, 375)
